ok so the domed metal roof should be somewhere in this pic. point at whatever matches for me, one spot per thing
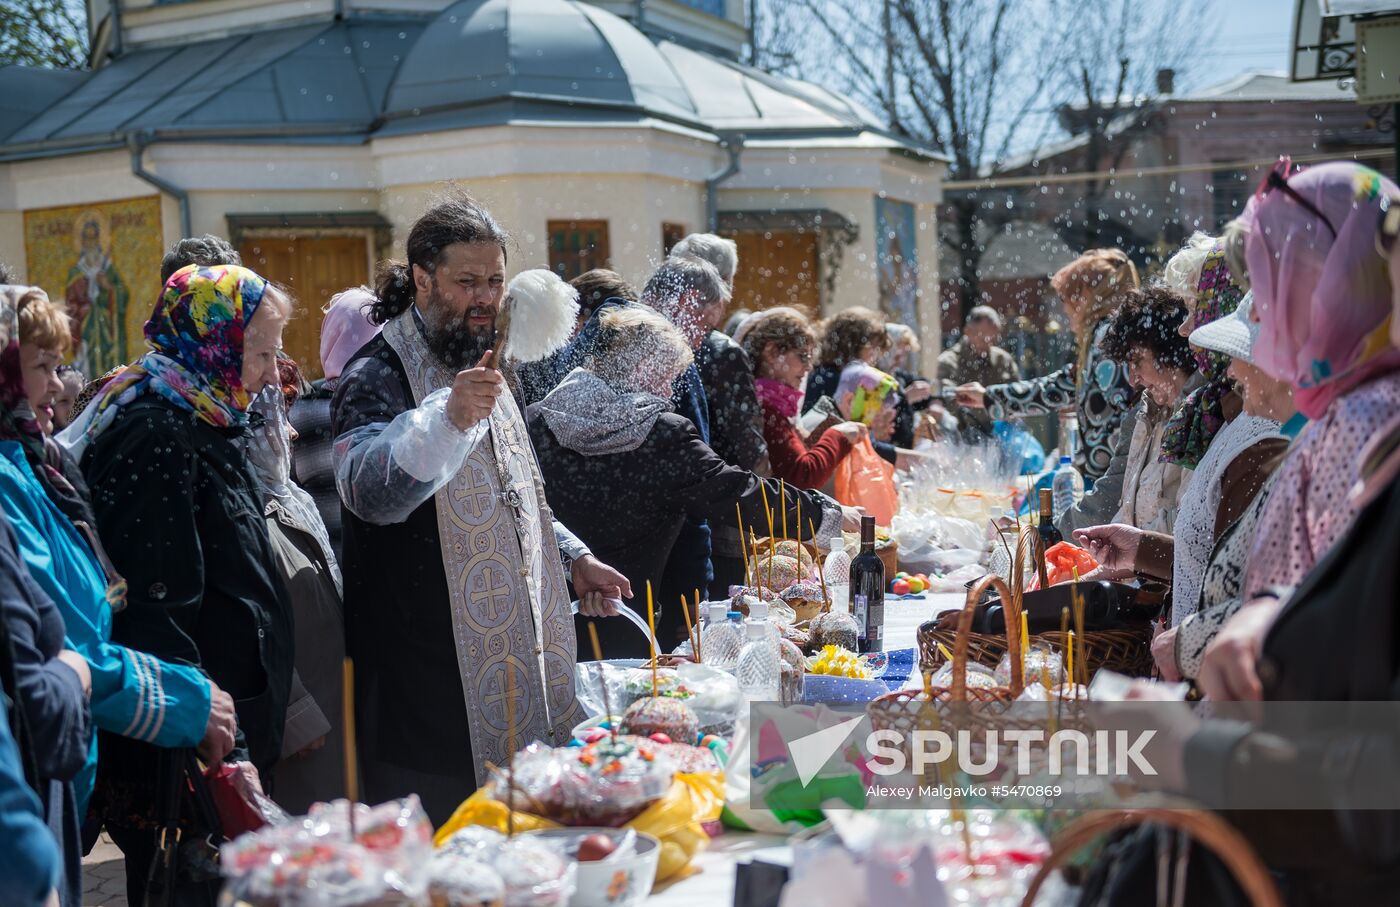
(545, 50)
(477, 63)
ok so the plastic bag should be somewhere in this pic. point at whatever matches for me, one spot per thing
(314, 862)
(676, 819)
(957, 580)
(712, 694)
(864, 479)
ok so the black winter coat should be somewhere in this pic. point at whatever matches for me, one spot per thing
(629, 508)
(180, 514)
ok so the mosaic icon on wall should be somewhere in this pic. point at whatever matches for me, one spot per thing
(103, 260)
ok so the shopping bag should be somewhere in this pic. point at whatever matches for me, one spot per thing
(864, 479)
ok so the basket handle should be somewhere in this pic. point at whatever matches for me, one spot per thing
(1012, 610)
(1029, 536)
(1205, 827)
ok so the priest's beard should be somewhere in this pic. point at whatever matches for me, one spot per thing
(451, 338)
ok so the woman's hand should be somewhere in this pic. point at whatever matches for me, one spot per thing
(80, 667)
(850, 518)
(851, 431)
(219, 732)
(882, 426)
(972, 395)
(918, 391)
(1229, 670)
(1114, 546)
(1164, 654)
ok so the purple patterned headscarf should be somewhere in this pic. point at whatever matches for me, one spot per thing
(1193, 426)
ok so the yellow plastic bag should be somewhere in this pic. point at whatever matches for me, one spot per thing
(675, 820)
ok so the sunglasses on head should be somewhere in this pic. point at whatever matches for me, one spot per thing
(1278, 179)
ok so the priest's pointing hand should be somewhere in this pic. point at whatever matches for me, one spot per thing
(474, 393)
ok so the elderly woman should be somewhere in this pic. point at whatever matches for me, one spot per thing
(780, 342)
(1143, 336)
(1092, 288)
(1322, 296)
(163, 447)
(311, 768)
(135, 697)
(624, 471)
(48, 682)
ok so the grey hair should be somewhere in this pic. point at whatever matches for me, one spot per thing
(679, 275)
(206, 251)
(719, 251)
(984, 314)
(632, 335)
(1182, 271)
(1235, 235)
(900, 332)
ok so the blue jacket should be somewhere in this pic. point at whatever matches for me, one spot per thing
(29, 864)
(133, 694)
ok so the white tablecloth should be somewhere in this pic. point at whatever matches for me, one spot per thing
(712, 885)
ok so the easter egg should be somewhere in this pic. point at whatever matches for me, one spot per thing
(900, 587)
(917, 585)
(659, 737)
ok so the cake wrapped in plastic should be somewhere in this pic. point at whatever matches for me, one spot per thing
(661, 715)
(834, 628)
(316, 862)
(607, 783)
(464, 880)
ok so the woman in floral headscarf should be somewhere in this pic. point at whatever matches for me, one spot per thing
(164, 449)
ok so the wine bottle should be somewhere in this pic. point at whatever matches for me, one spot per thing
(868, 590)
(1049, 535)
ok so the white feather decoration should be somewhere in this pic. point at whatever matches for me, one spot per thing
(543, 309)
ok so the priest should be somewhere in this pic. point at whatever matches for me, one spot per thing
(457, 609)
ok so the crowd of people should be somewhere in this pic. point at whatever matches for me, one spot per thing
(193, 542)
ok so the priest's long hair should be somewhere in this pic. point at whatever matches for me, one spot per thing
(461, 219)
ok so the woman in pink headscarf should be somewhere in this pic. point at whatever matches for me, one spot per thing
(345, 329)
(1323, 298)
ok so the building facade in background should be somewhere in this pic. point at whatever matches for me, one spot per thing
(1180, 163)
(313, 134)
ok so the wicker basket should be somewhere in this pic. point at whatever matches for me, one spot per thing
(1206, 828)
(1125, 651)
(959, 704)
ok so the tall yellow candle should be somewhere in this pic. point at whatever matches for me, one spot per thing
(651, 625)
(782, 504)
(1070, 667)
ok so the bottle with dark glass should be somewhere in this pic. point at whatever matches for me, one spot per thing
(868, 590)
(1049, 535)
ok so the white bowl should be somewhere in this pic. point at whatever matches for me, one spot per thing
(621, 882)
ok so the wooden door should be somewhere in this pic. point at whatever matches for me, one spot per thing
(777, 267)
(314, 268)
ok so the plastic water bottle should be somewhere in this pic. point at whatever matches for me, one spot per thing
(1068, 486)
(759, 671)
(836, 571)
(723, 638)
(758, 614)
(1069, 434)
